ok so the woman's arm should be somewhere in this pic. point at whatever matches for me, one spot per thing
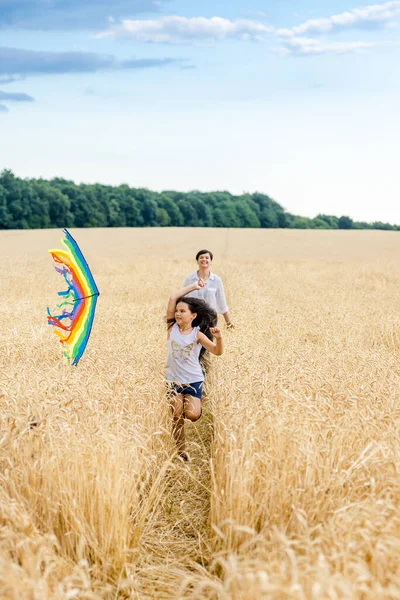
(221, 304)
(216, 347)
(228, 321)
(187, 281)
(197, 285)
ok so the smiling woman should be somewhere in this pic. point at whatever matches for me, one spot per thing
(213, 290)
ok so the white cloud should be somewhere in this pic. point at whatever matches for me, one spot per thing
(373, 16)
(302, 40)
(174, 29)
(301, 46)
(15, 97)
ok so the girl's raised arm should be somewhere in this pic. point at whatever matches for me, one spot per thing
(197, 285)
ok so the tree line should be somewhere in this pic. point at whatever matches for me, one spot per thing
(40, 204)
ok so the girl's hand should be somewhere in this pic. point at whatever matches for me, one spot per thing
(216, 332)
(200, 283)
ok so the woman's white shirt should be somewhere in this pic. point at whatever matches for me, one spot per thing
(213, 293)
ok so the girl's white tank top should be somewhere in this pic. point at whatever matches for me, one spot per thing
(183, 364)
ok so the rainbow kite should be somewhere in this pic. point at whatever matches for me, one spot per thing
(80, 299)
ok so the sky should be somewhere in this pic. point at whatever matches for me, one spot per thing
(296, 99)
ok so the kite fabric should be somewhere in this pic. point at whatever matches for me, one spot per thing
(79, 299)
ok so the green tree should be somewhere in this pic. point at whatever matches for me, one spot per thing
(345, 223)
(225, 215)
(3, 208)
(148, 207)
(38, 206)
(175, 217)
(162, 218)
(114, 216)
(17, 200)
(130, 208)
(331, 221)
(38, 203)
(381, 225)
(188, 212)
(268, 218)
(299, 222)
(59, 209)
(245, 215)
(81, 210)
(203, 213)
(318, 223)
(99, 197)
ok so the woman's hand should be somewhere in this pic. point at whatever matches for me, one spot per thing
(216, 332)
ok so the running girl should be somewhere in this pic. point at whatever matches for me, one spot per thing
(191, 327)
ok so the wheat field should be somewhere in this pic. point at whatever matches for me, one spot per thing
(293, 488)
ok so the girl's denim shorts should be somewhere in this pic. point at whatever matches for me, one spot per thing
(187, 389)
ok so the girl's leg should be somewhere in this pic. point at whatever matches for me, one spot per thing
(192, 408)
(178, 430)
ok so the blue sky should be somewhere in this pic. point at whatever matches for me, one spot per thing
(294, 99)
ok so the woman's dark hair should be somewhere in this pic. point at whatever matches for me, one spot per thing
(206, 316)
(200, 252)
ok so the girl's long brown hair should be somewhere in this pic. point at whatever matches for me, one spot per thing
(206, 316)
